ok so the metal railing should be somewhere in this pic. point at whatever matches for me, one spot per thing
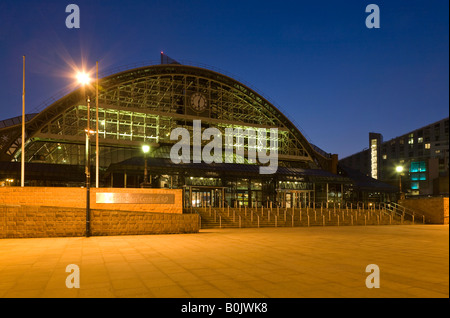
(404, 212)
(349, 213)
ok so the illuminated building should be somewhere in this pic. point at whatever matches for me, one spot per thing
(423, 154)
(143, 106)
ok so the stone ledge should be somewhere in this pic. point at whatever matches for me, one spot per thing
(44, 221)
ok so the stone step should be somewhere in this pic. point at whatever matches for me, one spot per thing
(279, 218)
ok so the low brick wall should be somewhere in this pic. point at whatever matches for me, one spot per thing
(434, 209)
(41, 221)
(76, 198)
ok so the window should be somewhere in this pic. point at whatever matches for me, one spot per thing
(417, 170)
(418, 166)
(418, 177)
(420, 140)
(427, 146)
(415, 185)
(384, 156)
(411, 139)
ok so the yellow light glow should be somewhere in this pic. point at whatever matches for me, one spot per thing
(145, 148)
(399, 168)
(83, 78)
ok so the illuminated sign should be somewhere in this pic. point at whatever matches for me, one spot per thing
(374, 158)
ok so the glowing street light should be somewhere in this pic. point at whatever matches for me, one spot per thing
(399, 170)
(145, 150)
(84, 79)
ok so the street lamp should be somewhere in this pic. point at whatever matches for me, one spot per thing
(399, 170)
(84, 79)
(145, 149)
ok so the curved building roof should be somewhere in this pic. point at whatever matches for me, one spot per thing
(143, 105)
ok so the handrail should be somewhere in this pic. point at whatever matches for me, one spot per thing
(199, 216)
(407, 211)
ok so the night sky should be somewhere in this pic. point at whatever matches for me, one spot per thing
(317, 60)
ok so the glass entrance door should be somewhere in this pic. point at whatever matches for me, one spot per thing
(205, 197)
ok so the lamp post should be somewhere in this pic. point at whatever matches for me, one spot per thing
(399, 170)
(145, 150)
(84, 79)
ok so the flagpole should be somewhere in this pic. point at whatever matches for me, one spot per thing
(22, 170)
(96, 135)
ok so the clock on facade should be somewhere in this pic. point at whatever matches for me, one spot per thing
(198, 102)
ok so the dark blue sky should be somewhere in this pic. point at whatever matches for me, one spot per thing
(337, 79)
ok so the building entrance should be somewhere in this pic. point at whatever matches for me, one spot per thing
(201, 196)
(296, 198)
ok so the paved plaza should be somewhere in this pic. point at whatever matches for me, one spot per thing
(325, 262)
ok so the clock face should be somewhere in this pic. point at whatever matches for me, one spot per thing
(198, 102)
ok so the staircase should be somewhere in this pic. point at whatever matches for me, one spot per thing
(378, 214)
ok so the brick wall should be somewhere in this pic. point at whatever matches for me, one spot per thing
(435, 209)
(76, 197)
(40, 221)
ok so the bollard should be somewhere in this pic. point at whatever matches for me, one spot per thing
(220, 221)
(308, 220)
(323, 220)
(351, 217)
(365, 220)
(258, 220)
(276, 218)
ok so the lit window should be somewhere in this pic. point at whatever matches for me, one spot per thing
(415, 185)
(420, 140)
(427, 146)
(418, 166)
(384, 156)
(438, 151)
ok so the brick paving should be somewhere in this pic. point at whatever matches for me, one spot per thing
(325, 262)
